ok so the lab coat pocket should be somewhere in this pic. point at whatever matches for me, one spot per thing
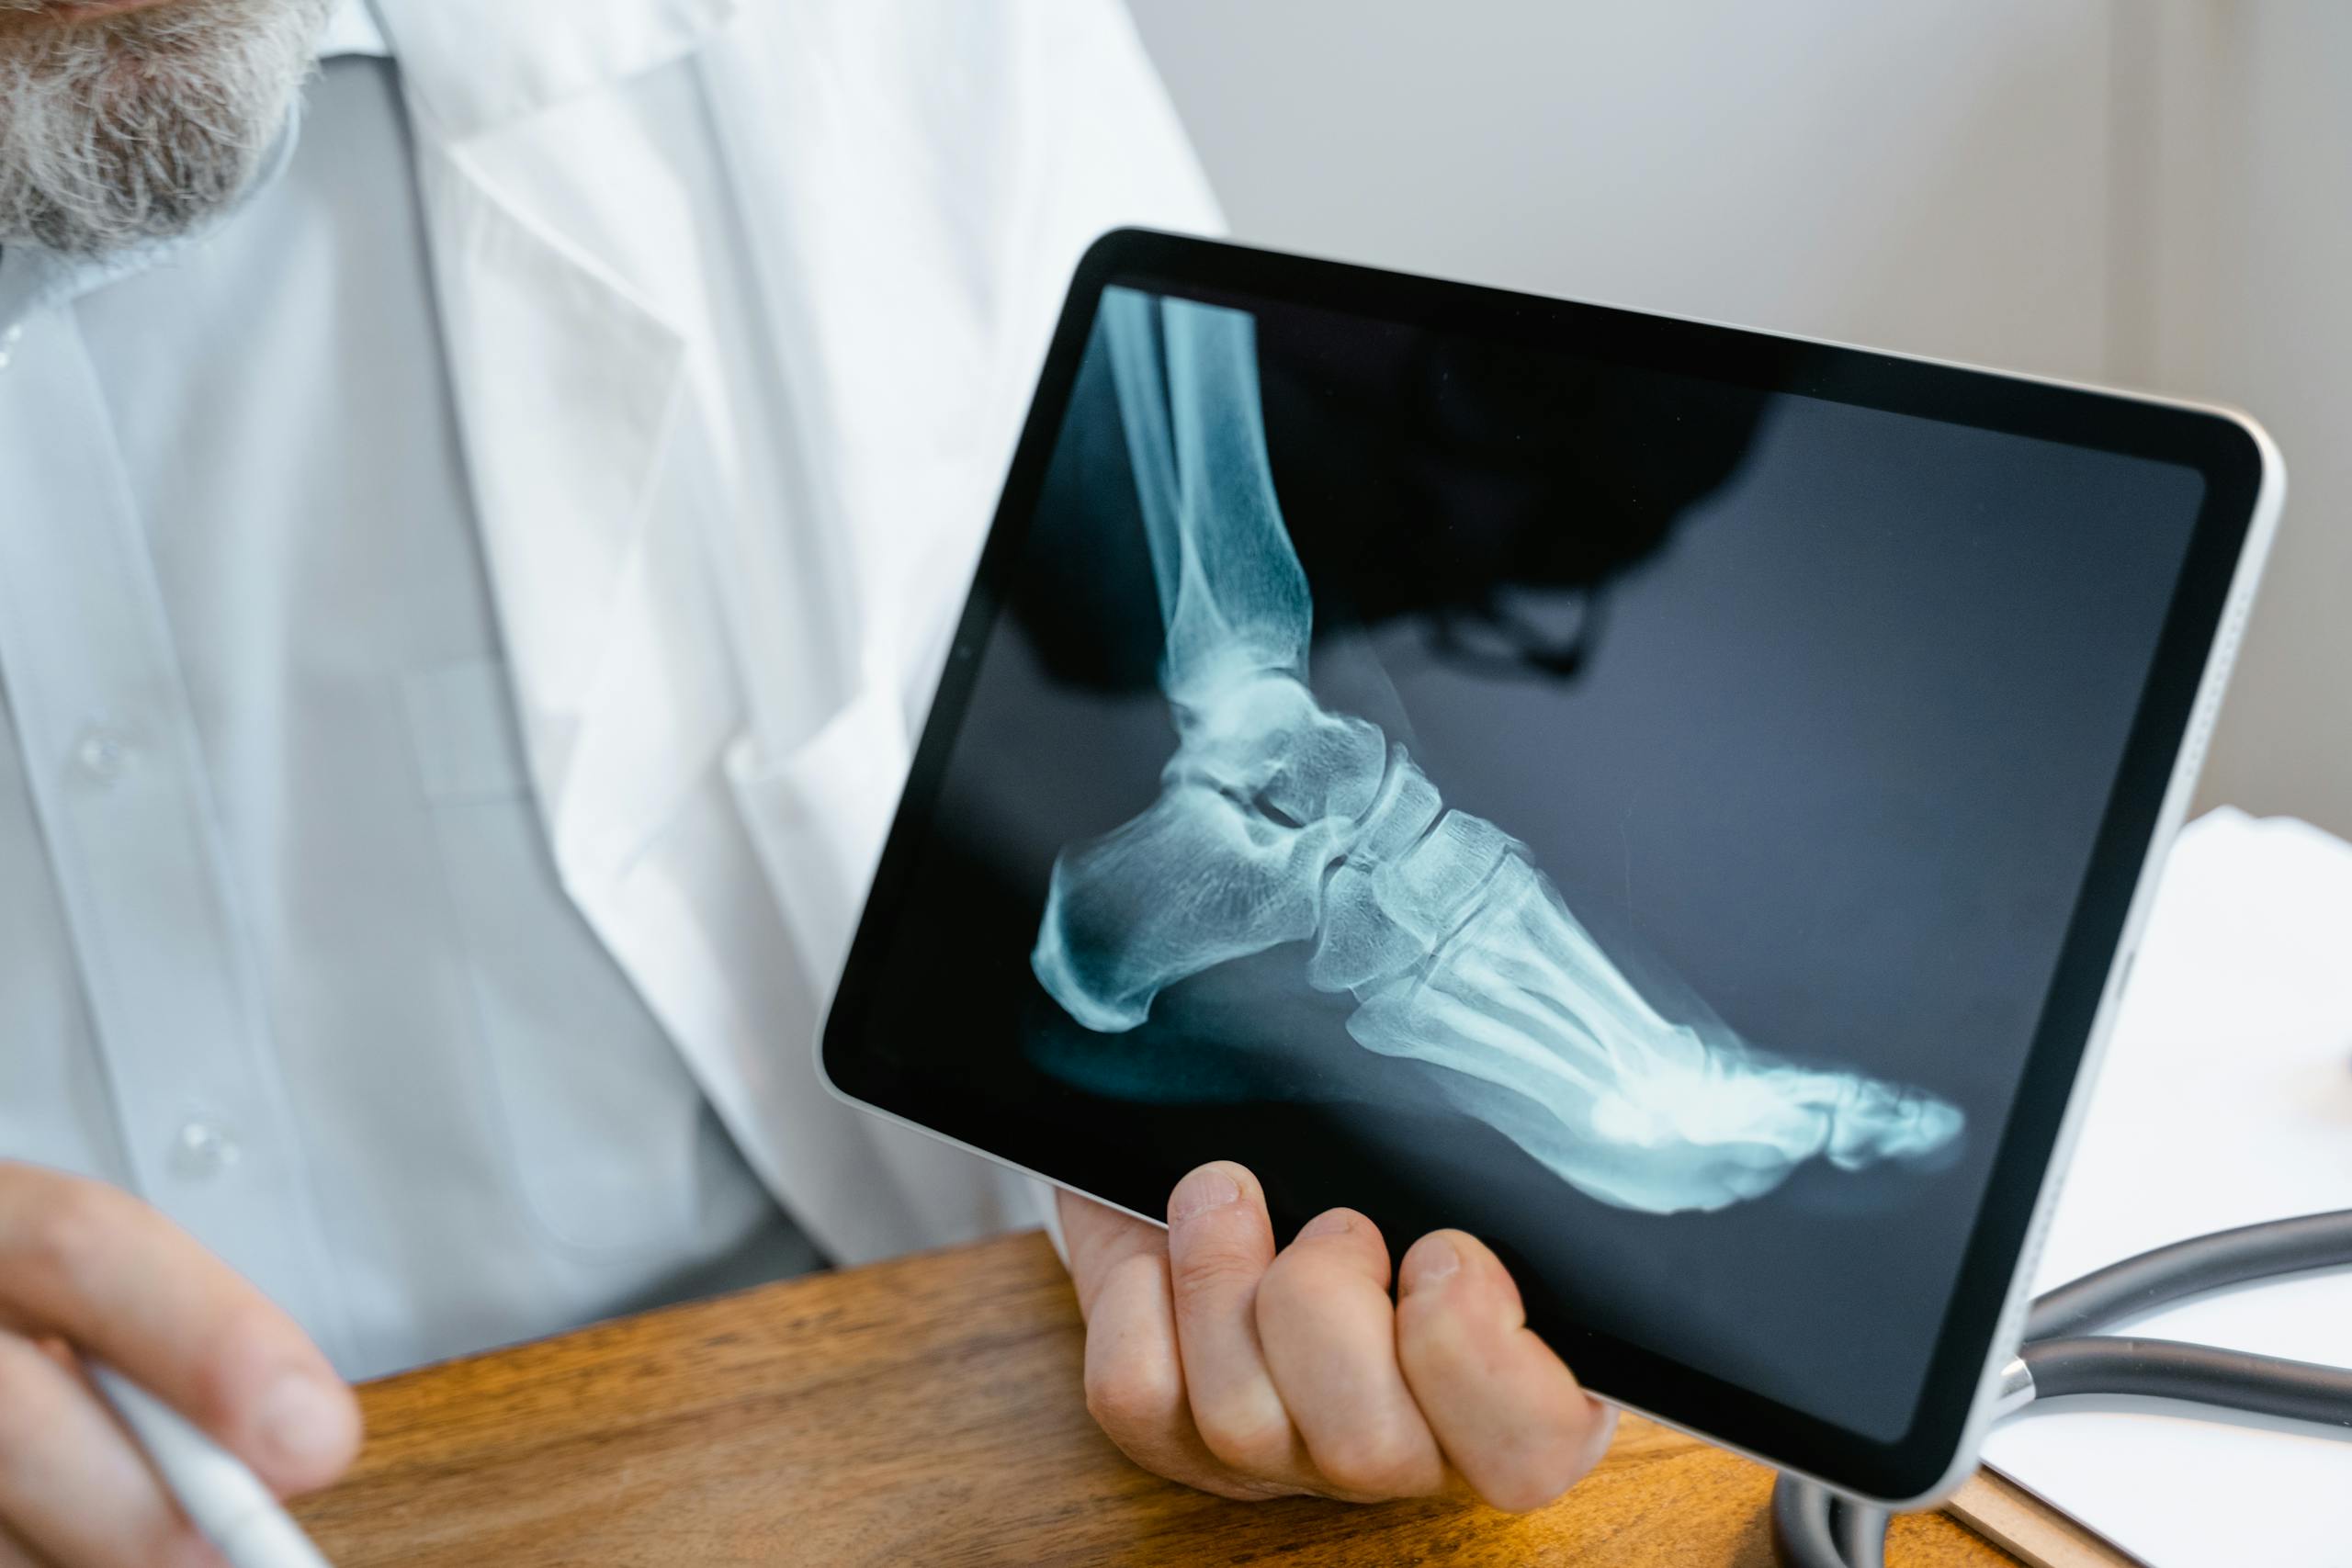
(601, 1115)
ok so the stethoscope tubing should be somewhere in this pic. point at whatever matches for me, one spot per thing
(2167, 1274)
(2192, 1374)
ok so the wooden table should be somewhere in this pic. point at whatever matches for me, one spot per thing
(923, 1411)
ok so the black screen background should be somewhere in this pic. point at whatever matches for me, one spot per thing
(1834, 706)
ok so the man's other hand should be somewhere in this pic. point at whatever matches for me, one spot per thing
(1216, 1361)
(86, 1270)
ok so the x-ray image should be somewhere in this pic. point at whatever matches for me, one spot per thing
(1629, 814)
(1279, 821)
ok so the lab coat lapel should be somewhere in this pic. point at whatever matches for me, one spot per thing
(567, 384)
(571, 337)
(598, 493)
(476, 66)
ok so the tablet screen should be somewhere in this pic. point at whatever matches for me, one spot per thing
(1632, 816)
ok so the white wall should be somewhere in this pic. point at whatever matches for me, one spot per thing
(2114, 189)
(2246, 221)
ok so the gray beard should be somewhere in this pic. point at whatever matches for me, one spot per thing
(140, 127)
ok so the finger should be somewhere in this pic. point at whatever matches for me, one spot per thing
(1135, 1380)
(1329, 1332)
(74, 1490)
(15, 1554)
(1219, 1243)
(1512, 1419)
(1100, 1238)
(97, 1268)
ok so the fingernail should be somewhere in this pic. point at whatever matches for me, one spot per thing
(303, 1420)
(1336, 1222)
(1205, 1189)
(1434, 1260)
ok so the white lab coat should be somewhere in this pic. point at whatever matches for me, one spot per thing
(725, 569)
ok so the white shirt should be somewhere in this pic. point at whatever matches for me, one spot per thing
(282, 948)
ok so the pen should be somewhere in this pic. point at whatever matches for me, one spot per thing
(221, 1496)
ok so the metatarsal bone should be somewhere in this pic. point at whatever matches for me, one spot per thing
(1635, 1111)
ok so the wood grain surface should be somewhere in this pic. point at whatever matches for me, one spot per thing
(2002, 1511)
(925, 1411)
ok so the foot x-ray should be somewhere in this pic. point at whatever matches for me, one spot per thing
(1282, 822)
(1621, 805)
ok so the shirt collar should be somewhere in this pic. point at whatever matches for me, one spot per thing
(354, 31)
(34, 280)
(474, 65)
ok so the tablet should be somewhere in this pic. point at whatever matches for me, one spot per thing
(1673, 801)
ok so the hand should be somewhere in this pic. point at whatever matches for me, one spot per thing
(1216, 1362)
(85, 1268)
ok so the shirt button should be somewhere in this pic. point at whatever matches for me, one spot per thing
(203, 1150)
(102, 753)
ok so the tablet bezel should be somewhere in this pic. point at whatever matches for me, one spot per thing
(2244, 485)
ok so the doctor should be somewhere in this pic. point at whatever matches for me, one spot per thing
(477, 533)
